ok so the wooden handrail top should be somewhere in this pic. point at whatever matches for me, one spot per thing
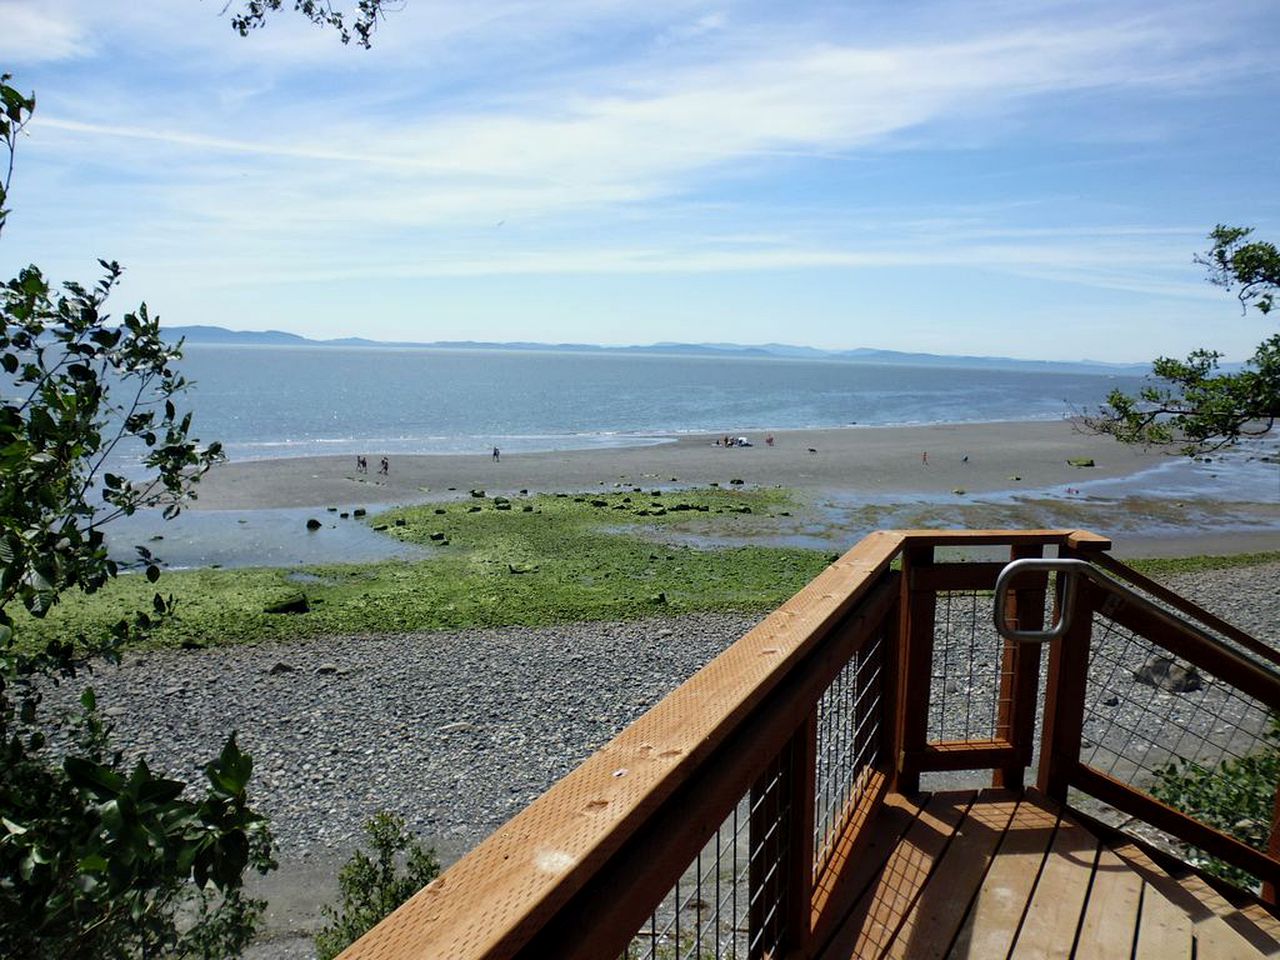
(1081, 540)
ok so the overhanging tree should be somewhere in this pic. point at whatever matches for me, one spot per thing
(253, 15)
(98, 858)
(1191, 404)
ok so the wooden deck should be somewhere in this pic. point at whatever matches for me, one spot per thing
(796, 748)
(991, 875)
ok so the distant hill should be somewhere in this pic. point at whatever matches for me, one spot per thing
(223, 336)
(205, 334)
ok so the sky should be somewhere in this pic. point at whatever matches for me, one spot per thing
(997, 178)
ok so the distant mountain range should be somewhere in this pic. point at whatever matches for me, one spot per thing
(278, 338)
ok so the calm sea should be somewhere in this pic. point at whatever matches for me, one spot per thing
(297, 401)
(289, 401)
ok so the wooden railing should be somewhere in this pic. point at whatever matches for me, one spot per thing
(758, 775)
(1239, 667)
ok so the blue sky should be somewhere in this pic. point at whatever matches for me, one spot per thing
(1027, 180)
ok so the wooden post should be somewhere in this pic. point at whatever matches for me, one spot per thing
(780, 848)
(1064, 697)
(915, 646)
(797, 855)
(1020, 672)
(1273, 848)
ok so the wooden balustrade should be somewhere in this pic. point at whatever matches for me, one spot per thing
(577, 873)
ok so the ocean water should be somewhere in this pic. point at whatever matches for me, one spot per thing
(265, 402)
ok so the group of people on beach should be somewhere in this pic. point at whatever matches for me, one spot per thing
(728, 441)
(362, 466)
(384, 466)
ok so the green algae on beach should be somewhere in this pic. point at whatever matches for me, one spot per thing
(520, 560)
(495, 562)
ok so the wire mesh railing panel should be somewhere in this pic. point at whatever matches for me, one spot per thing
(727, 905)
(968, 663)
(1180, 734)
(849, 731)
(1144, 709)
(1194, 591)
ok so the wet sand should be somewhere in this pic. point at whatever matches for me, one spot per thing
(869, 460)
(851, 465)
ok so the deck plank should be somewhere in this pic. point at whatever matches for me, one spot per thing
(1239, 923)
(965, 875)
(1164, 931)
(939, 912)
(1053, 916)
(856, 859)
(1111, 916)
(871, 926)
(1207, 909)
(1263, 919)
(1218, 940)
(1006, 890)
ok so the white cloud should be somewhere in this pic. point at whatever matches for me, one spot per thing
(1128, 261)
(638, 139)
(33, 34)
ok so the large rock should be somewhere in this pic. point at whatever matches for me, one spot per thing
(1165, 673)
(297, 603)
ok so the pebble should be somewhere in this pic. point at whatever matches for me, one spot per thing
(532, 703)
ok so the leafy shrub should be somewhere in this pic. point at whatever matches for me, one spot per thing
(97, 860)
(1237, 796)
(371, 889)
(101, 861)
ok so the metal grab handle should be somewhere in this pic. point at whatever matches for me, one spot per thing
(1065, 591)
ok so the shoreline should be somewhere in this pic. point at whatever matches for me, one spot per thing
(993, 474)
(869, 460)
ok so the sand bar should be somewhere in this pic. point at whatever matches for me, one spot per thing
(853, 460)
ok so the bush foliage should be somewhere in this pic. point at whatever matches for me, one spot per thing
(99, 858)
(374, 886)
(1237, 796)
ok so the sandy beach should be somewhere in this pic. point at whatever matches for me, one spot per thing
(871, 460)
(976, 475)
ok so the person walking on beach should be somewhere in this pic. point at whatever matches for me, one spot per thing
(497, 455)
(362, 465)
(924, 458)
(385, 467)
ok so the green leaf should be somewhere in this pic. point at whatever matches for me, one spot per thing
(231, 771)
(93, 863)
(101, 781)
(15, 829)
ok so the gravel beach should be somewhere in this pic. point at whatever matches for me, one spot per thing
(454, 731)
